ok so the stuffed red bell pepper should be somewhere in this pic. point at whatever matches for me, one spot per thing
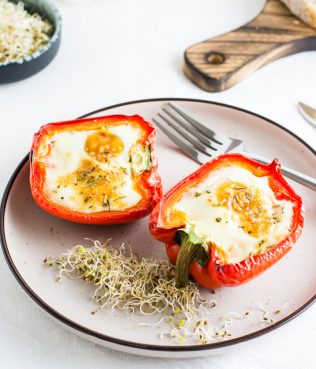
(97, 170)
(228, 221)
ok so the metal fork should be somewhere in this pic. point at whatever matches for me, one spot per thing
(202, 144)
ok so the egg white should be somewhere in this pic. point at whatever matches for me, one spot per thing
(227, 233)
(67, 150)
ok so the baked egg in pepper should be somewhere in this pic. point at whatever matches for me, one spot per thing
(100, 170)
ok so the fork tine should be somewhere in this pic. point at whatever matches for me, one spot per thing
(194, 154)
(194, 132)
(189, 137)
(201, 127)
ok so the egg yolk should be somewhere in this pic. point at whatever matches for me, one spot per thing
(101, 144)
(248, 203)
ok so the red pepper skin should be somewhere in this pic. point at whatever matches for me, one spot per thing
(214, 274)
(148, 183)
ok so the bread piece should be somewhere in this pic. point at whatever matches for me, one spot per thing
(304, 9)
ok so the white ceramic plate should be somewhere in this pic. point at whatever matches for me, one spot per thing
(29, 235)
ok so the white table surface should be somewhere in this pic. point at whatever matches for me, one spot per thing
(121, 50)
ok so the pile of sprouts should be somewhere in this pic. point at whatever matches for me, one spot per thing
(148, 287)
(145, 286)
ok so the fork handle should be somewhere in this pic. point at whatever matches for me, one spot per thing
(288, 172)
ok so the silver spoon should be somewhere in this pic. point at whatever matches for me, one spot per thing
(307, 112)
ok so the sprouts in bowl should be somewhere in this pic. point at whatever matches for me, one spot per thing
(30, 37)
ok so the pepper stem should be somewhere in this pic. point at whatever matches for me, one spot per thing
(188, 251)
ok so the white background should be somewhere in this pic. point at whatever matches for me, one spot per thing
(121, 50)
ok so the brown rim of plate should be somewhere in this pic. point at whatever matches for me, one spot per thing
(140, 346)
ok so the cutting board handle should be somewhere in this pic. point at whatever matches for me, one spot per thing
(219, 63)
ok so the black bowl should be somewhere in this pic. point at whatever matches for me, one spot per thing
(16, 71)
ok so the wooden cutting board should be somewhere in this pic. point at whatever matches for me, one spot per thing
(219, 63)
